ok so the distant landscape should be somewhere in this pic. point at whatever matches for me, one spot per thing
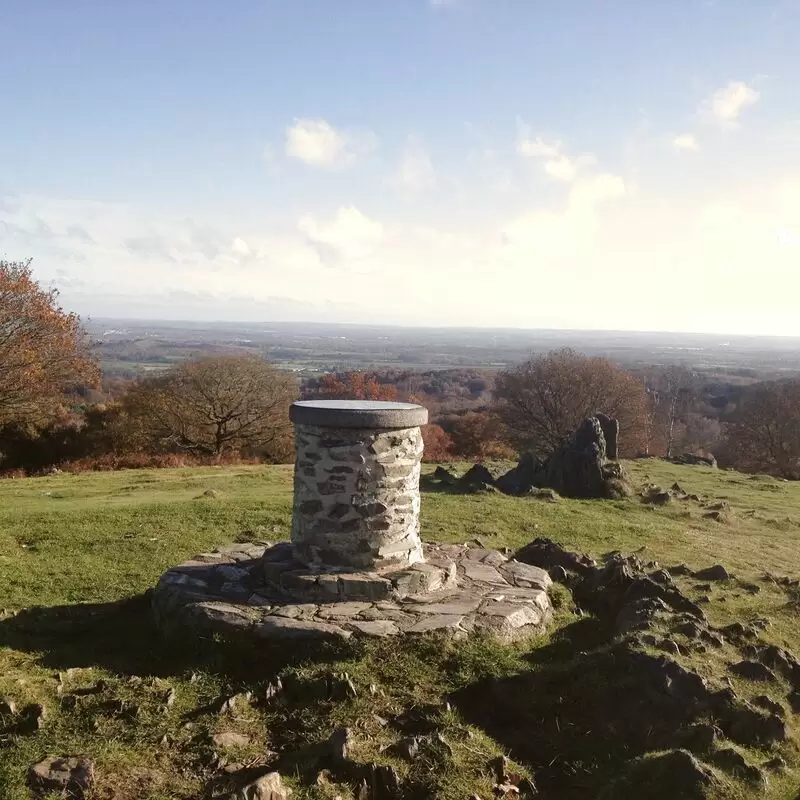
(128, 348)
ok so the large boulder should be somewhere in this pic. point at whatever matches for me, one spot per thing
(580, 466)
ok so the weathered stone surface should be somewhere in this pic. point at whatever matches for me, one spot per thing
(230, 739)
(367, 585)
(378, 627)
(476, 571)
(342, 610)
(267, 787)
(526, 575)
(440, 622)
(69, 776)
(715, 573)
(460, 588)
(297, 629)
(582, 467)
(358, 414)
(461, 606)
(357, 505)
(610, 428)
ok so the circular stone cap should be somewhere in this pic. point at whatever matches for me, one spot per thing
(357, 414)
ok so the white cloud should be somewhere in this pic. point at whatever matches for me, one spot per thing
(727, 104)
(554, 236)
(349, 235)
(686, 141)
(415, 173)
(319, 144)
(555, 162)
(537, 147)
(240, 247)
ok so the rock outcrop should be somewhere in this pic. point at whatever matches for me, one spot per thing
(582, 467)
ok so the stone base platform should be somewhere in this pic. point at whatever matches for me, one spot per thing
(260, 591)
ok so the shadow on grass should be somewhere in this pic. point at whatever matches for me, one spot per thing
(582, 711)
(122, 638)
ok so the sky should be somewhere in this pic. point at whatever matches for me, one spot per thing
(618, 165)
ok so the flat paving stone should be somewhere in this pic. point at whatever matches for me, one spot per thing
(482, 572)
(461, 607)
(333, 610)
(304, 611)
(526, 575)
(437, 622)
(467, 589)
(378, 627)
(297, 629)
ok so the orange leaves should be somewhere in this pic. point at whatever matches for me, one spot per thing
(355, 386)
(44, 351)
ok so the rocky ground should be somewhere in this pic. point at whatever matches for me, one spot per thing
(669, 671)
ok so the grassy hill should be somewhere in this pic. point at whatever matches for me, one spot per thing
(84, 549)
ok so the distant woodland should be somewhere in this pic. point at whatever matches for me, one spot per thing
(68, 402)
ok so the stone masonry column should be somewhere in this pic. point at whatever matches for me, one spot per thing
(356, 483)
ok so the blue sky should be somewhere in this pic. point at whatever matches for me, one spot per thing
(518, 163)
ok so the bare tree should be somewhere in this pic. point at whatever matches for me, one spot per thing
(670, 394)
(765, 434)
(215, 405)
(544, 399)
(44, 351)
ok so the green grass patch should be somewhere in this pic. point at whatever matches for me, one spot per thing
(85, 549)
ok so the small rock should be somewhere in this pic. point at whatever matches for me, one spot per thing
(69, 702)
(8, 708)
(230, 739)
(499, 768)
(670, 646)
(169, 697)
(734, 762)
(443, 743)
(701, 737)
(341, 687)
(165, 740)
(69, 776)
(407, 747)
(776, 764)
(267, 787)
(661, 576)
(339, 744)
(324, 777)
(765, 701)
(753, 671)
(274, 689)
(32, 718)
(383, 781)
(715, 573)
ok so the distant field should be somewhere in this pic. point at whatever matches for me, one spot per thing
(84, 548)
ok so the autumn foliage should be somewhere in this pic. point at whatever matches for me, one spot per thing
(44, 352)
(354, 386)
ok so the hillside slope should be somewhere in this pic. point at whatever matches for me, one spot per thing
(84, 549)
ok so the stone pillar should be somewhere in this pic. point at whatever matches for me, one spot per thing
(356, 483)
(610, 428)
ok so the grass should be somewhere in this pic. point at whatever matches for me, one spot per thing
(84, 549)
